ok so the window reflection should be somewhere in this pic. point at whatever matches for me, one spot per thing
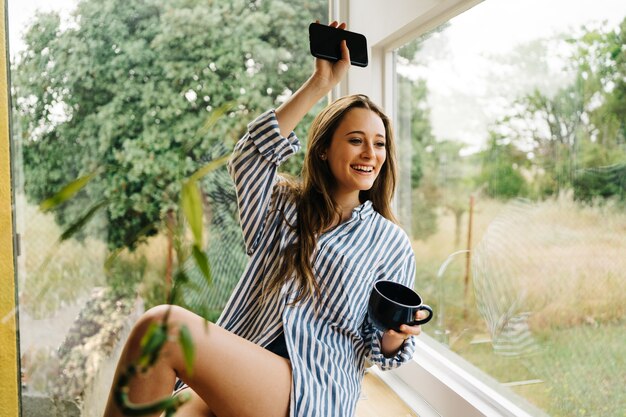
(515, 150)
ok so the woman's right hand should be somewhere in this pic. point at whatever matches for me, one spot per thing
(328, 73)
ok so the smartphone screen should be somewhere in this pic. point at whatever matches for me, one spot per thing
(325, 43)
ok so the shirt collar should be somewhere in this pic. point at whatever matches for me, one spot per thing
(363, 211)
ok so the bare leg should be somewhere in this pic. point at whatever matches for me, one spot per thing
(234, 376)
(195, 407)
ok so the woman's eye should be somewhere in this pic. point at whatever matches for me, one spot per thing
(355, 140)
(380, 144)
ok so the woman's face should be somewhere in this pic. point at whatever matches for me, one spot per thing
(357, 153)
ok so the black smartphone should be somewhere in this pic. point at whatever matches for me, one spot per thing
(325, 43)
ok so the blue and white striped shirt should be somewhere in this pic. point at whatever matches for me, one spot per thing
(328, 338)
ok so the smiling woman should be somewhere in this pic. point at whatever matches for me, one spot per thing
(356, 154)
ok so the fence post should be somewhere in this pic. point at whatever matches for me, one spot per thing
(468, 255)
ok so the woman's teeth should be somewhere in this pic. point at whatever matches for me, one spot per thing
(363, 168)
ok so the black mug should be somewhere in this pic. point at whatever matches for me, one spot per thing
(392, 304)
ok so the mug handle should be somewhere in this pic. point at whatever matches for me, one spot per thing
(423, 321)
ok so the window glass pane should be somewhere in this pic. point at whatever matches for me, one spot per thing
(510, 118)
(116, 105)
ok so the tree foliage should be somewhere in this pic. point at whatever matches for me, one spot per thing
(125, 90)
(573, 132)
(414, 123)
(501, 170)
(603, 182)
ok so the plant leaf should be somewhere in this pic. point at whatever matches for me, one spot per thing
(211, 166)
(203, 263)
(186, 343)
(180, 278)
(81, 221)
(192, 209)
(67, 192)
(213, 118)
(151, 343)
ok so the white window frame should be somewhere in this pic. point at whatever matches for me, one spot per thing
(436, 382)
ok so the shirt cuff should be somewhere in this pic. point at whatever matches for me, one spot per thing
(404, 354)
(265, 134)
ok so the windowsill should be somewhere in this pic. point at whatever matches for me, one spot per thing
(438, 382)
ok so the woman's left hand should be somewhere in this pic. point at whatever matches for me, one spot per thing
(392, 340)
(407, 331)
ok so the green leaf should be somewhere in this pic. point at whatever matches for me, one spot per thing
(180, 278)
(211, 166)
(215, 116)
(169, 404)
(203, 263)
(81, 221)
(192, 209)
(186, 343)
(67, 192)
(151, 343)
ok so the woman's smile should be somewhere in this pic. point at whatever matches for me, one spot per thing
(356, 154)
(363, 169)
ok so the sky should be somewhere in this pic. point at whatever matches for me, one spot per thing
(458, 64)
(20, 13)
(468, 88)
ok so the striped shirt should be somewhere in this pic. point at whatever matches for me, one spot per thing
(328, 338)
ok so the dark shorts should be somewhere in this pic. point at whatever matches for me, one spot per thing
(278, 346)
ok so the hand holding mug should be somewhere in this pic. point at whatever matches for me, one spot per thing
(406, 330)
(396, 308)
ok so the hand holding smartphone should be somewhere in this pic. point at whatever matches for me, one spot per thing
(325, 43)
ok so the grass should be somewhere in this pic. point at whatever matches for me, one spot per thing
(562, 266)
(581, 369)
(52, 273)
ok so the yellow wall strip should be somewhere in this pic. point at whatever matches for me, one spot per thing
(9, 388)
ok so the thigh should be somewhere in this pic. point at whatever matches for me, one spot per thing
(234, 376)
(194, 407)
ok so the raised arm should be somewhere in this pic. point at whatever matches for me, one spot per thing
(270, 140)
(327, 75)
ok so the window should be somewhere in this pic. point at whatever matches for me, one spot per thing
(115, 106)
(513, 187)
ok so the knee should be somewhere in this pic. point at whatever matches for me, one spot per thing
(153, 316)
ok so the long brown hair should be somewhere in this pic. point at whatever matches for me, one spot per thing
(317, 211)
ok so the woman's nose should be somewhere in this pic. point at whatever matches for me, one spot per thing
(368, 151)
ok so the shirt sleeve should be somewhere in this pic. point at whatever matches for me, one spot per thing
(253, 167)
(373, 337)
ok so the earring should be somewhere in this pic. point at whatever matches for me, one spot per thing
(323, 156)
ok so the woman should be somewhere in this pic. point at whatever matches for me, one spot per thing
(294, 337)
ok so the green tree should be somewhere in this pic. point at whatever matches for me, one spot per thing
(581, 126)
(601, 60)
(125, 91)
(418, 196)
(438, 175)
(414, 124)
(501, 165)
(603, 182)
